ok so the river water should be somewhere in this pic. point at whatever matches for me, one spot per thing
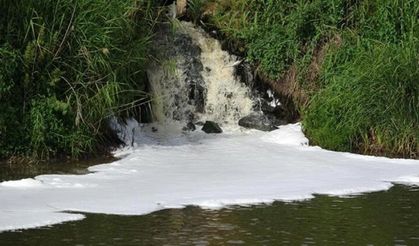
(381, 218)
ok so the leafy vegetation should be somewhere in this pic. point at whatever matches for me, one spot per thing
(351, 66)
(65, 67)
(371, 105)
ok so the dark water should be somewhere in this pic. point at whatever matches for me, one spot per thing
(381, 218)
(24, 170)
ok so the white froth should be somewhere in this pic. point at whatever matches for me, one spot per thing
(196, 169)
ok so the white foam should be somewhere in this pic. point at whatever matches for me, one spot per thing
(32, 219)
(22, 184)
(211, 171)
(289, 135)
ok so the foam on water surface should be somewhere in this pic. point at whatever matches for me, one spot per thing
(178, 169)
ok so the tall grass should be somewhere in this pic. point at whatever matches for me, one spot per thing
(67, 65)
(277, 34)
(354, 65)
(372, 105)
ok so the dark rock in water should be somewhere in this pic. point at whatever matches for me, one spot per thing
(211, 127)
(278, 110)
(153, 129)
(244, 73)
(190, 127)
(196, 96)
(257, 121)
(277, 115)
(180, 47)
(266, 108)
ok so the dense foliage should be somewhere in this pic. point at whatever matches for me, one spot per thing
(65, 67)
(352, 66)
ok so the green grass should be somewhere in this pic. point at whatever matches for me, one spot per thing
(355, 65)
(371, 105)
(65, 67)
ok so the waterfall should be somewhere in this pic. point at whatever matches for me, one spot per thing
(192, 79)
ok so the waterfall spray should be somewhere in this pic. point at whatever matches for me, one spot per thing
(193, 79)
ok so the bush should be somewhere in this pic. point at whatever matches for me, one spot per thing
(65, 67)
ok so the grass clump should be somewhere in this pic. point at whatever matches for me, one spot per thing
(276, 34)
(65, 67)
(350, 66)
(371, 106)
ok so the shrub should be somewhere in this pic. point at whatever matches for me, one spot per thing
(66, 66)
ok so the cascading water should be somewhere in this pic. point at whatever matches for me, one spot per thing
(193, 79)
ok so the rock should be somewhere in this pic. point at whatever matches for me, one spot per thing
(183, 102)
(278, 112)
(257, 121)
(244, 72)
(265, 107)
(190, 127)
(211, 127)
(181, 7)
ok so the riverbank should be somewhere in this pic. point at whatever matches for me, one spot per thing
(23, 170)
(66, 67)
(350, 68)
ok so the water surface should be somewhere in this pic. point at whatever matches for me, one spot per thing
(16, 171)
(381, 218)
